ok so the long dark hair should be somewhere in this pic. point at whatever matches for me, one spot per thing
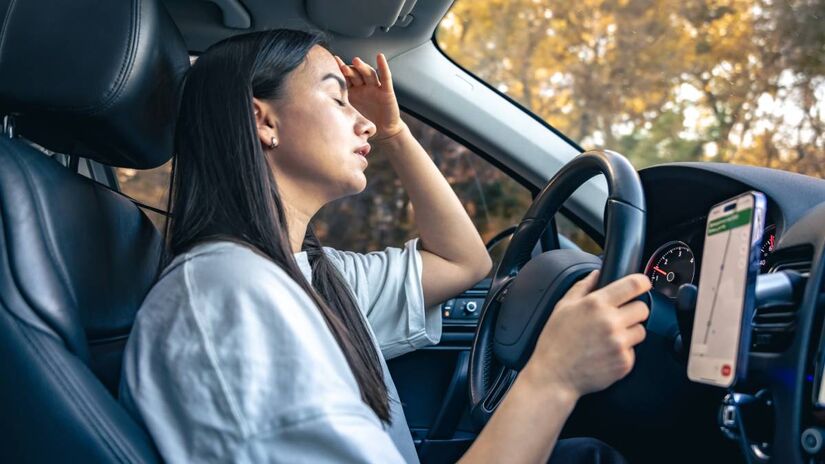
(222, 185)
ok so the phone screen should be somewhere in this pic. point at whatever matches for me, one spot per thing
(724, 304)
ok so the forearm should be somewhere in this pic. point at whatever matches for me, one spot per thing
(444, 226)
(525, 427)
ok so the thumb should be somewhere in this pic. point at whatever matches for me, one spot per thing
(584, 286)
(384, 74)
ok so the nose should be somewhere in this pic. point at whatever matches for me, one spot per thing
(364, 126)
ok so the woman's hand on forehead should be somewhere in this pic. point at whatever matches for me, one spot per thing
(371, 93)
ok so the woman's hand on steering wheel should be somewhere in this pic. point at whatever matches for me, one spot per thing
(587, 344)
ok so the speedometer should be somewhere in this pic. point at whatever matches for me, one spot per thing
(768, 243)
(671, 265)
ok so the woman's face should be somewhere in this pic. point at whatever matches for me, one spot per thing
(321, 138)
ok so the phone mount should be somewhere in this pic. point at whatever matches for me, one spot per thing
(744, 418)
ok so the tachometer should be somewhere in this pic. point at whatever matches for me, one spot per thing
(671, 265)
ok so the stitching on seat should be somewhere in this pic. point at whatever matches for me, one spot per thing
(49, 245)
(93, 416)
(133, 43)
(49, 242)
(108, 340)
(5, 27)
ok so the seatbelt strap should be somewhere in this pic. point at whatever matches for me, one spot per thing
(73, 165)
(137, 203)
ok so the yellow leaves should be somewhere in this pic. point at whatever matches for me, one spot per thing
(602, 66)
(636, 105)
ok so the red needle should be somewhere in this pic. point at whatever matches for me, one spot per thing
(771, 240)
(656, 268)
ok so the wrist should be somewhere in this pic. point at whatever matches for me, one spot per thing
(547, 382)
(387, 137)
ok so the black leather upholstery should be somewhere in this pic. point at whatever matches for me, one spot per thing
(75, 263)
(90, 77)
(76, 259)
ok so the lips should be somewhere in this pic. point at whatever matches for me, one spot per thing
(363, 150)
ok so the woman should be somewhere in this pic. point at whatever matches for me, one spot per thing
(258, 345)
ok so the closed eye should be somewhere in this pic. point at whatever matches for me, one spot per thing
(340, 102)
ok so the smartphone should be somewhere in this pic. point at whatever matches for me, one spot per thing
(724, 303)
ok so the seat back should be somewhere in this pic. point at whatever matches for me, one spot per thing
(100, 79)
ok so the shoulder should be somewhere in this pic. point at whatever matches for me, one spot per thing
(229, 264)
(232, 286)
(242, 338)
(226, 295)
(385, 260)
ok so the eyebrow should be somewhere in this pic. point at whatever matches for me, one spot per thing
(340, 81)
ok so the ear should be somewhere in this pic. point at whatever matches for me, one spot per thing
(266, 122)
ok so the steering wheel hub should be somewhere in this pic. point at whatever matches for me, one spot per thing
(540, 284)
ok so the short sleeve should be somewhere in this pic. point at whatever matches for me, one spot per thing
(243, 369)
(387, 286)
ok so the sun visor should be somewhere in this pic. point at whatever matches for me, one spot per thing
(359, 18)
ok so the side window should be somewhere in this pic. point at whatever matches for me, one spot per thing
(575, 234)
(382, 215)
(150, 187)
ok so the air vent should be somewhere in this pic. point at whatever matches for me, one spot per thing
(773, 326)
(802, 266)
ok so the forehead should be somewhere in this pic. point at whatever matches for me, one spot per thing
(319, 62)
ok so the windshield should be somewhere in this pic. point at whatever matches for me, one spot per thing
(740, 81)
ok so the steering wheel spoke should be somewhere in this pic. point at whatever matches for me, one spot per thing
(500, 387)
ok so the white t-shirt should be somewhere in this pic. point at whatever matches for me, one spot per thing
(229, 360)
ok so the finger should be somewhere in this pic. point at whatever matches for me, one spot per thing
(367, 73)
(584, 286)
(630, 361)
(624, 289)
(352, 76)
(634, 335)
(384, 74)
(633, 313)
(349, 75)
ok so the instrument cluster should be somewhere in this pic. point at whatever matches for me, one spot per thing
(675, 262)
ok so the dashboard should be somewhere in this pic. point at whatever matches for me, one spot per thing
(679, 200)
(786, 359)
(656, 411)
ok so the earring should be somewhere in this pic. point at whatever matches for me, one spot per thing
(273, 143)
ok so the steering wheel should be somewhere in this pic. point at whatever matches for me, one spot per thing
(524, 291)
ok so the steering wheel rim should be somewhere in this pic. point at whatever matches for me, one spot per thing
(489, 376)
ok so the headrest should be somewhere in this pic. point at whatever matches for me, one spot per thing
(101, 79)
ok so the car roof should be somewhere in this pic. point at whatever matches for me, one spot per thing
(352, 25)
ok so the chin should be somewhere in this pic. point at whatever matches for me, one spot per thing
(351, 186)
(359, 185)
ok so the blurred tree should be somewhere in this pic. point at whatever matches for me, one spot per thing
(661, 80)
(739, 81)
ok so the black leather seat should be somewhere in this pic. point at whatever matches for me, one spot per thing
(100, 79)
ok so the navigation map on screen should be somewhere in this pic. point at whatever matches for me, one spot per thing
(721, 298)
